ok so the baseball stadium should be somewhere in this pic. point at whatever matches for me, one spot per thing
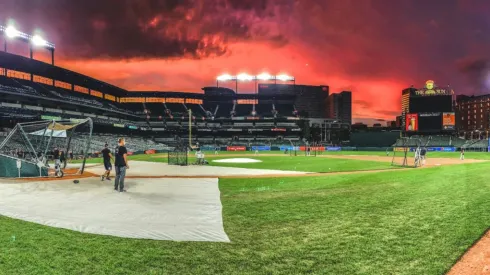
(224, 182)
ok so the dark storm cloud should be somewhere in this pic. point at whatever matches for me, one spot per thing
(476, 70)
(146, 28)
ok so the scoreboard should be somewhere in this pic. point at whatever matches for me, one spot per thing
(430, 110)
(428, 104)
(430, 122)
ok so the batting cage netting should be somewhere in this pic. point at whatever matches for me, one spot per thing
(178, 156)
(29, 149)
(401, 152)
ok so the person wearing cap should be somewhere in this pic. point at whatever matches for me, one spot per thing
(107, 156)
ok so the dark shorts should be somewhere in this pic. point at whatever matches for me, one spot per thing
(107, 165)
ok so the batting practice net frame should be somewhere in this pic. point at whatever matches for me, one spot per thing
(402, 147)
(27, 151)
(178, 156)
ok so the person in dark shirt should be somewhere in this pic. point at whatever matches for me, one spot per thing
(121, 165)
(63, 159)
(107, 156)
(71, 155)
(56, 154)
(423, 154)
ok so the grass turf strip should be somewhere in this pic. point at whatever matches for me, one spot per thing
(400, 222)
(304, 164)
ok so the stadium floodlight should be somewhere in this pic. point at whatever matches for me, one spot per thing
(38, 41)
(264, 76)
(244, 77)
(284, 77)
(224, 77)
(11, 32)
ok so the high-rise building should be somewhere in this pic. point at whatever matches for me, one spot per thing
(309, 100)
(399, 120)
(339, 106)
(406, 103)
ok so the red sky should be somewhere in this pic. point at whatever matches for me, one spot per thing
(374, 48)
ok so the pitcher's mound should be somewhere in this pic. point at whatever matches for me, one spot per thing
(237, 160)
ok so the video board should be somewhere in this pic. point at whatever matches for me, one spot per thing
(430, 122)
(430, 99)
(448, 121)
(412, 123)
(428, 104)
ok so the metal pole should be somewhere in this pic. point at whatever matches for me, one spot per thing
(50, 137)
(87, 146)
(5, 50)
(52, 57)
(190, 128)
(9, 136)
(28, 141)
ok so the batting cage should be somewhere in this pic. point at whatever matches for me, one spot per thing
(43, 148)
(401, 152)
(178, 156)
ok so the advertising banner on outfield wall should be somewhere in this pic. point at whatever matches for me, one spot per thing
(312, 148)
(334, 148)
(236, 148)
(50, 118)
(261, 148)
(437, 149)
(208, 148)
(289, 148)
(150, 152)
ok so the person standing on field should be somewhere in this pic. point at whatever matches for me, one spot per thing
(121, 165)
(461, 157)
(107, 156)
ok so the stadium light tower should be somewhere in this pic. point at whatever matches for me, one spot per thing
(34, 41)
(243, 77)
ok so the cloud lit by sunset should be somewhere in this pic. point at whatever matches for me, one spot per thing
(373, 48)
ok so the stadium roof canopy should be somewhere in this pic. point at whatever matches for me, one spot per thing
(36, 67)
(197, 95)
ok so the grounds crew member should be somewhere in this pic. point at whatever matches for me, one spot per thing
(121, 165)
(107, 156)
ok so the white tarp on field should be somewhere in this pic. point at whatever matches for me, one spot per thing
(159, 209)
(47, 133)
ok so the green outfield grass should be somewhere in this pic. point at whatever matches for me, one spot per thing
(416, 221)
(280, 162)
